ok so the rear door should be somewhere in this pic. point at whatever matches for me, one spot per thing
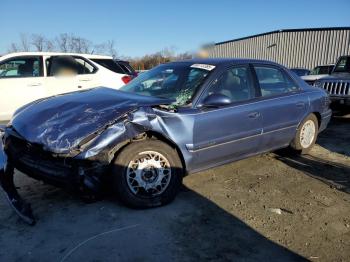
(282, 105)
(21, 81)
(67, 73)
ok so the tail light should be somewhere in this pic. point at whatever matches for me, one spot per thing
(126, 79)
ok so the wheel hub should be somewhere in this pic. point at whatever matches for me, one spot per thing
(148, 174)
(307, 134)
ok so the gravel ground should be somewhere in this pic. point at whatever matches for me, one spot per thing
(275, 207)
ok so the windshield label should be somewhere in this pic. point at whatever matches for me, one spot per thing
(203, 66)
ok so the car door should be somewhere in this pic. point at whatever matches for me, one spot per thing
(21, 81)
(282, 105)
(232, 131)
(68, 73)
(87, 76)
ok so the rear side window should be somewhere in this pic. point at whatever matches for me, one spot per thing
(109, 64)
(21, 67)
(274, 81)
(68, 66)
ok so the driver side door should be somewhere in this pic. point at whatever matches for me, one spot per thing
(225, 133)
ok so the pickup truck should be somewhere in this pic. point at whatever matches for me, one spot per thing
(337, 84)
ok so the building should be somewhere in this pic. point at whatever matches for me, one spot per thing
(304, 48)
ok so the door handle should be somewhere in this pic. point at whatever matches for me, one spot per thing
(34, 84)
(85, 79)
(254, 115)
(300, 104)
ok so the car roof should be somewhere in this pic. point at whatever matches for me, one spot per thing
(89, 56)
(224, 61)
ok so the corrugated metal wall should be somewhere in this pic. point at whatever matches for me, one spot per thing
(299, 48)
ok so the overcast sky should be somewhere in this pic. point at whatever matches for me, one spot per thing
(140, 27)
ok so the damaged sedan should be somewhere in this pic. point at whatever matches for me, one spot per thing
(178, 118)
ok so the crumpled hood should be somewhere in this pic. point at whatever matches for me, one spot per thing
(62, 122)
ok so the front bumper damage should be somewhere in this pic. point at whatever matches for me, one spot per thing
(22, 208)
(83, 169)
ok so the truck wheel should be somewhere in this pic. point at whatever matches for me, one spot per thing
(147, 174)
(306, 135)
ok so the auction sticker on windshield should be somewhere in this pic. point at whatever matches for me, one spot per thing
(203, 66)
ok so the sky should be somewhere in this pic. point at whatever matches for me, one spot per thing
(143, 27)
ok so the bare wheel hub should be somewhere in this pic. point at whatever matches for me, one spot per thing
(307, 134)
(148, 174)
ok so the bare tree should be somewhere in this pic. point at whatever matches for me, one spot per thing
(25, 44)
(65, 43)
(38, 41)
(107, 48)
(62, 42)
(13, 48)
(110, 48)
(49, 45)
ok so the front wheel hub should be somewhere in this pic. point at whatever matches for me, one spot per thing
(148, 174)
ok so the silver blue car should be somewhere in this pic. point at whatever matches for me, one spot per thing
(178, 118)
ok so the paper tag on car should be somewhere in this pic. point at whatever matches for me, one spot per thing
(203, 66)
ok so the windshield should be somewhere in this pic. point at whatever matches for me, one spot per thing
(321, 70)
(172, 81)
(343, 65)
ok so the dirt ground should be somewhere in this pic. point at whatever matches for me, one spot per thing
(274, 207)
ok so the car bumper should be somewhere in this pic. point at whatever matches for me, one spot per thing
(340, 100)
(69, 173)
(43, 165)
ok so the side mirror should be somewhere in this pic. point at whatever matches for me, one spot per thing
(216, 100)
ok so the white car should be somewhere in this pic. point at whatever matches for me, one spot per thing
(25, 77)
(317, 73)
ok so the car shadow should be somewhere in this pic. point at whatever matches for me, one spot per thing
(336, 137)
(192, 228)
(337, 176)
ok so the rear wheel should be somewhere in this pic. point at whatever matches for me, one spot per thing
(147, 174)
(306, 135)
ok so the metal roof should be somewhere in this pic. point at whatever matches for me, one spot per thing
(219, 61)
(286, 30)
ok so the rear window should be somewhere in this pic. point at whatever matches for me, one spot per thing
(111, 65)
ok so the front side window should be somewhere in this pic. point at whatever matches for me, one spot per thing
(274, 81)
(172, 81)
(68, 66)
(235, 83)
(21, 67)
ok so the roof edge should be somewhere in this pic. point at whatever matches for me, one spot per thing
(285, 30)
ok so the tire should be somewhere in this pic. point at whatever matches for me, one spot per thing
(304, 145)
(147, 155)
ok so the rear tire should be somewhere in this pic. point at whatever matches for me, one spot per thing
(147, 174)
(306, 135)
